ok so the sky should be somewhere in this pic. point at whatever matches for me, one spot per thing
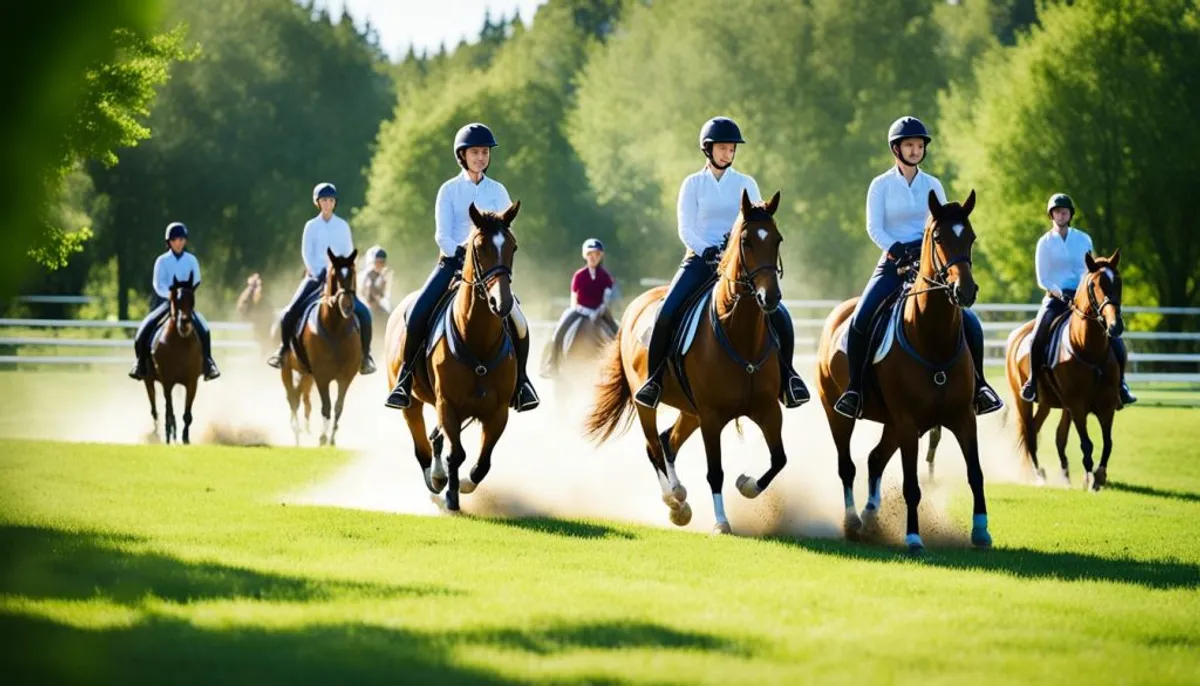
(427, 23)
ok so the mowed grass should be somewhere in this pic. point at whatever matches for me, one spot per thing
(156, 564)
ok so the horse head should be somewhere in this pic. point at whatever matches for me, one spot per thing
(751, 258)
(489, 261)
(340, 282)
(1100, 296)
(946, 249)
(182, 302)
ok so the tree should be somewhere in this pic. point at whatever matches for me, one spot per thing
(1100, 101)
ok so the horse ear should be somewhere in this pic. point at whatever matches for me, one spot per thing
(935, 205)
(174, 282)
(329, 252)
(473, 212)
(969, 205)
(746, 204)
(511, 213)
(1115, 259)
(353, 256)
(1089, 261)
(773, 204)
(191, 282)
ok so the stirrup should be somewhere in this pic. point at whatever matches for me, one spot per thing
(1127, 396)
(137, 372)
(1029, 391)
(849, 405)
(401, 396)
(276, 360)
(210, 370)
(795, 393)
(526, 398)
(987, 401)
(368, 365)
(650, 394)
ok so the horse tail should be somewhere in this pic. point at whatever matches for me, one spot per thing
(1026, 438)
(614, 399)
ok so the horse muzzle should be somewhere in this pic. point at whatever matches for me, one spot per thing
(768, 302)
(1117, 327)
(961, 297)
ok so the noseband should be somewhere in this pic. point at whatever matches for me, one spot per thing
(1096, 313)
(480, 284)
(745, 278)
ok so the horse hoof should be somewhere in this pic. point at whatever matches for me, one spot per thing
(722, 528)
(1101, 478)
(914, 543)
(1040, 477)
(324, 440)
(1089, 481)
(433, 482)
(980, 538)
(682, 515)
(1066, 477)
(852, 524)
(466, 486)
(679, 493)
(748, 487)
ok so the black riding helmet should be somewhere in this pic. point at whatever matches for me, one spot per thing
(472, 136)
(381, 254)
(719, 130)
(907, 127)
(175, 230)
(1060, 200)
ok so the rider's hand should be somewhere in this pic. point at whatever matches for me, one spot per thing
(1057, 293)
(711, 254)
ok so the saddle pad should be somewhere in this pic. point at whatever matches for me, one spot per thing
(883, 332)
(1058, 348)
(574, 329)
(440, 319)
(686, 334)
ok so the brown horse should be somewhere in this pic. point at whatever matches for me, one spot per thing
(176, 358)
(471, 373)
(331, 343)
(581, 355)
(927, 383)
(1088, 382)
(732, 368)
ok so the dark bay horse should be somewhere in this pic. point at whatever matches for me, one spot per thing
(732, 367)
(176, 359)
(331, 345)
(471, 372)
(1086, 382)
(928, 382)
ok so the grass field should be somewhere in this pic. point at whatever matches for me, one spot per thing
(154, 564)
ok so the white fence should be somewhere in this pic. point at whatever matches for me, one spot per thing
(234, 337)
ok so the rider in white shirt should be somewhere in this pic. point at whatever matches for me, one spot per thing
(473, 151)
(709, 205)
(1060, 265)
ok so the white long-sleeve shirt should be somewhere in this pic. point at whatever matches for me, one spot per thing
(451, 216)
(320, 236)
(896, 211)
(708, 207)
(1060, 261)
(169, 267)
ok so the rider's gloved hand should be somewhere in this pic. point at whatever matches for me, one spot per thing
(711, 254)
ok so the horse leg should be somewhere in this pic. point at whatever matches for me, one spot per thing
(681, 512)
(935, 437)
(153, 396)
(1079, 416)
(672, 440)
(967, 433)
(452, 428)
(1039, 419)
(1060, 442)
(912, 487)
(326, 411)
(710, 430)
(187, 411)
(169, 407)
(1106, 419)
(414, 416)
(492, 429)
(306, 384)
(877, 462)
(770, 422)
(293, 396)
(343, 387)
(842, 429)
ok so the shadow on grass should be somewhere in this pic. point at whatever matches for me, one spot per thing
(1023, 562)
(567, 528)
(1186, 496)
(49, 563)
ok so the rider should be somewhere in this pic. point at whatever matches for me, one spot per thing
(323, 233)
(897, 207)
(591, 293)
(174, 264)
(375, 283)
(708, 207)
(473, 151)
(1060, 267)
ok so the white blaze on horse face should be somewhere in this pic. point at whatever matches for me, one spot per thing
(762, 234)
(498, 240)
(958, 229)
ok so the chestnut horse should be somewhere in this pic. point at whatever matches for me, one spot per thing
(732, 368)
(926, 380)
(471, 372)
(1088, 382)
(331, 343)
(176, 358)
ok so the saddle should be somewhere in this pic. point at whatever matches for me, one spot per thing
(310, 318)
(598, 331)
(442, 327)
(1058, 343)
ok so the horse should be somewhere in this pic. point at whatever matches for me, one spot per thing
(176, 358)
(331, 344)
(928, 383)
(1085, 381)
(470, 371)
(582, 349)
(731, 369)
(252, 310)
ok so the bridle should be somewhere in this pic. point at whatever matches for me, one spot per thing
(744, 281)
(941, 274)
(1096, 314)
(480, 284)
(333, 298)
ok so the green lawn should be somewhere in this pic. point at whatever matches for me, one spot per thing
(154, 564)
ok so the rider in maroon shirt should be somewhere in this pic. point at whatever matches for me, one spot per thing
(591, 291)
